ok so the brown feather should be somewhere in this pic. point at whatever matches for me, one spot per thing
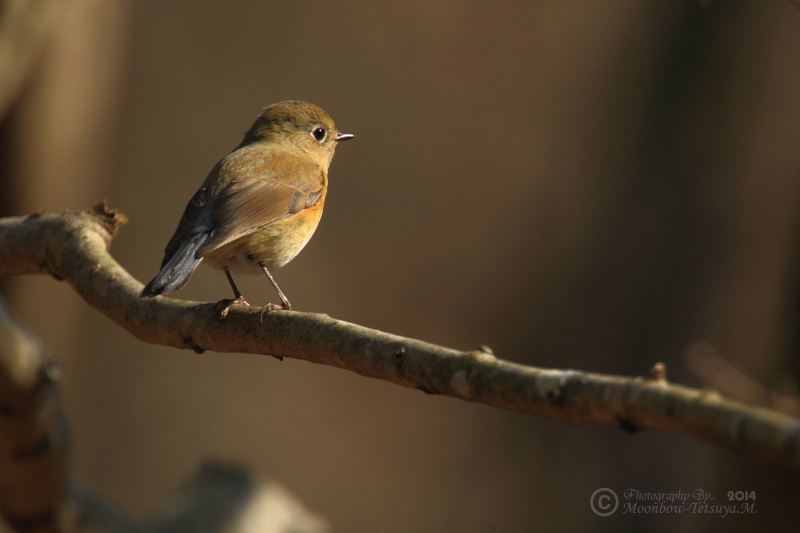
(259, 189)
(261, 203)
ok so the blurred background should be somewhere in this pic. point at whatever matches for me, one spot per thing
(592, 185)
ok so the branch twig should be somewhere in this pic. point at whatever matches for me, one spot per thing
(73, 246)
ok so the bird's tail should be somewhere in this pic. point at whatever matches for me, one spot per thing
(177, 269)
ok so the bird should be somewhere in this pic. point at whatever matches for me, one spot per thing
(260, 204)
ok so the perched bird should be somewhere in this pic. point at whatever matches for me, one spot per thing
(260, 204)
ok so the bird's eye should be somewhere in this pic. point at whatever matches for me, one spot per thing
(319, 134)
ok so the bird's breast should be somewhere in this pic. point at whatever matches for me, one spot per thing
(275, 244)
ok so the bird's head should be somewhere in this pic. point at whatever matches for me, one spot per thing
(300, 125)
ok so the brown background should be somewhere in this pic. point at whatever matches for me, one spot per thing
(594, 185)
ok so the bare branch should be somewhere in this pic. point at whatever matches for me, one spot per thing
(227, 497)
(36, 493)
(715, 371)
(33, 442)
(73, 246)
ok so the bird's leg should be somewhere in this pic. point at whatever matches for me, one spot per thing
(285, 304)
(239, 299)
(225, 305)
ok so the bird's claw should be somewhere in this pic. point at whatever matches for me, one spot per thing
(240, 300)
(269, 307)
(223, 312)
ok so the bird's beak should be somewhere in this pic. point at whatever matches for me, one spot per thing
(344, 137)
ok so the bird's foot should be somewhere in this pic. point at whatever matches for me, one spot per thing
(240, 300)
(225, 306)
(274, 307)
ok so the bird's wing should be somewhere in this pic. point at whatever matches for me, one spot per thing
(197, 219)
(259, 191)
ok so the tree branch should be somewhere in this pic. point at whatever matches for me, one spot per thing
(38, 496)
(34, 477)
(73, 246)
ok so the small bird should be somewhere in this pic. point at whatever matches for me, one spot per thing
(260, 204)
